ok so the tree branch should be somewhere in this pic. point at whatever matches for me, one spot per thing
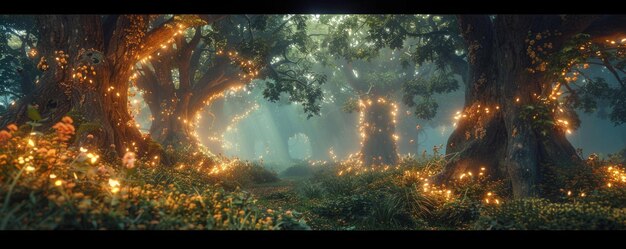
(218, 84)
(168, 30)
(611, 69)
(221, 66)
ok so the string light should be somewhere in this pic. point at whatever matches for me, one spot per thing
(32, 53)
(115, 185)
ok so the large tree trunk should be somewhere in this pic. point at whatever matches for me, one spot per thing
(97, 77)
(378, 133)
(174, 108)
(504, 141)
(88, 62)
(174, 125)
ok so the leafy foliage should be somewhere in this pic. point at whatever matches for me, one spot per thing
(399, 46)
(593, 75)
(280, 45)
(536, 214)
(44, 184)
(424, 90)
(18, 70)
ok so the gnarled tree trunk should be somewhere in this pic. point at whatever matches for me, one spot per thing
(174, 106)
(88, 61)
(492, 132)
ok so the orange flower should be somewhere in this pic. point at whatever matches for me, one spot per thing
(51, 153)
(4, 135)
(67, 119)
(12, 127)
(42, 151)
(64, 129)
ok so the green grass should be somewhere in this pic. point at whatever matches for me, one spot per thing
(396, 199)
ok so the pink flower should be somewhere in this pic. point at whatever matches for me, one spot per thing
(129, 160)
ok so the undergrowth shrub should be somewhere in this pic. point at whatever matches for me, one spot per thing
(47, 184)
(541, 214)
(311, 190)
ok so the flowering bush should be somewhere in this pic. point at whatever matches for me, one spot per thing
(46, 184)
(381, 199)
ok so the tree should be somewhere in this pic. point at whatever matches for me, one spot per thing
(374, 44)
(87, 62)
(174, 100)
(18, 72)
(515, 115)
(227, 54)
(510, 122)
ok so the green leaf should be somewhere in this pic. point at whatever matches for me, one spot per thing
(32, 113)
(32, 197)
(33, 124)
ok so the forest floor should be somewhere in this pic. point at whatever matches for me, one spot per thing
(283, 195)
(46, 184)
(400, 199)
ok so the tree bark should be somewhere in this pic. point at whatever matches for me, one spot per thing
(377, 128)
(88, 67)
(378, 131)
(502, 140)
(174, 108)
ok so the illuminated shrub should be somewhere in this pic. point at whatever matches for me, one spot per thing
(44, 184)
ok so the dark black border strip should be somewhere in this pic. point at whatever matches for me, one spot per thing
(311, 6)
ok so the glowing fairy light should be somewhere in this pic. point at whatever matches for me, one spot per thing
(92, 157)
(235, 120)
(616, 175)
(115, 185)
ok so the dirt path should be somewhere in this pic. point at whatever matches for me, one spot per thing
(284, 195)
